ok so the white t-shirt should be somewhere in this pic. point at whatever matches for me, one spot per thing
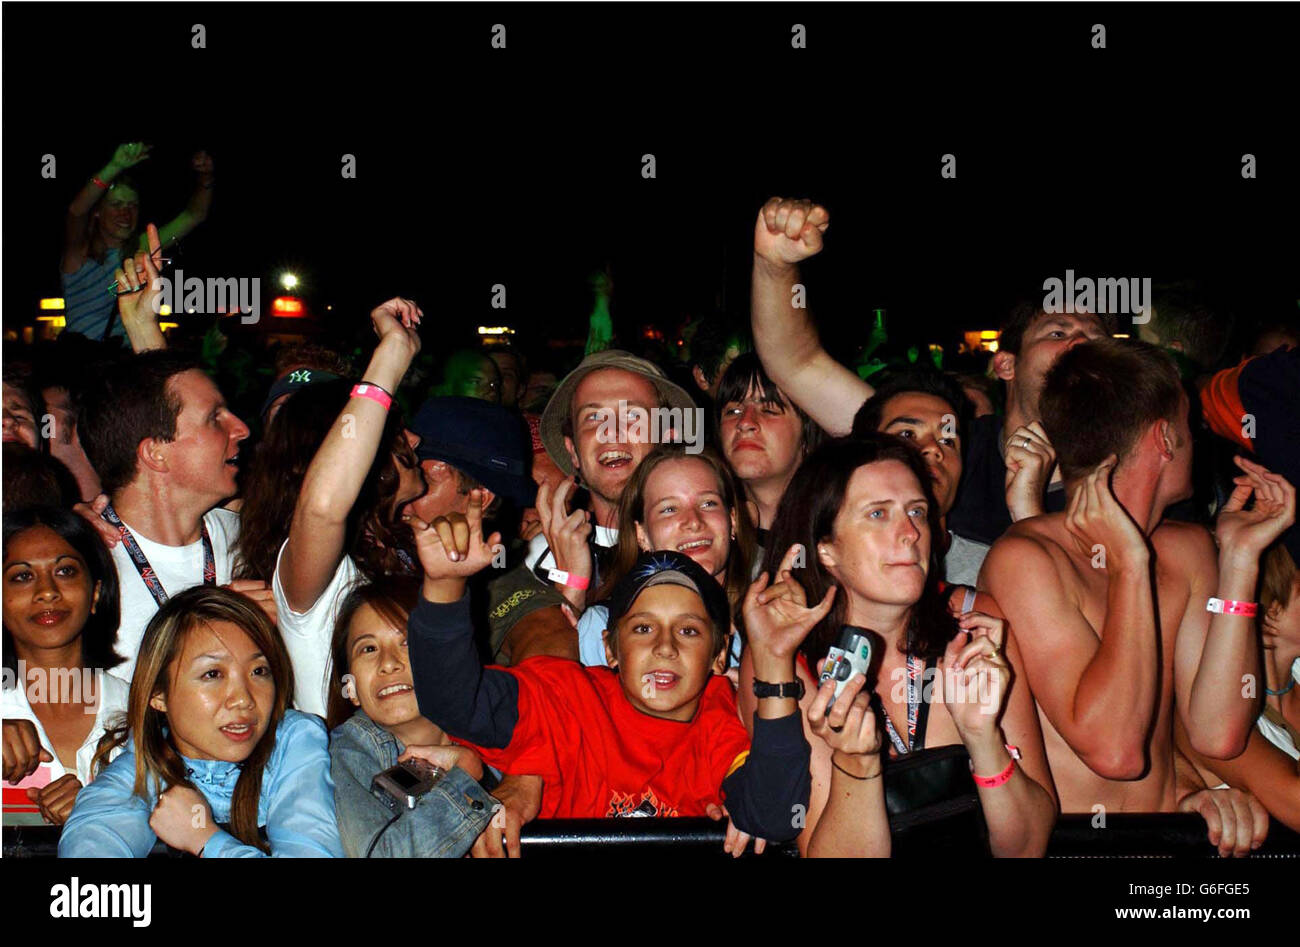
(307, 634)
(113, 694)
(177, 567)
(537, 547)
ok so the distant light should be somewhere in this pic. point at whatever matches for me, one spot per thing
(288, 280)
(991, 346)
(1121, 335)
(495, 330)
(164, 326)
(989, 334)
(329, 308)
(164, 310)
(57, 321)
(288, 307)
(53, 302)
(190, 311)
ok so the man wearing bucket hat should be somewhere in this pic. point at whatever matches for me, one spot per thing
(598, 427)
(606, 387)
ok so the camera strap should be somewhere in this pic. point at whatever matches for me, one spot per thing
(141, 561)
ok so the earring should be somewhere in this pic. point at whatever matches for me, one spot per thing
(349, 687)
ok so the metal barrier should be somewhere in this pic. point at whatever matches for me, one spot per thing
(1126, 835)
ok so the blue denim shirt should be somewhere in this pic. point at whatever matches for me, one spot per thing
(445, 821)
(296, 804)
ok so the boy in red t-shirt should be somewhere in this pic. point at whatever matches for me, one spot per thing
(655, 734)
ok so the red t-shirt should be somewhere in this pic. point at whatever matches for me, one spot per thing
(600, 756)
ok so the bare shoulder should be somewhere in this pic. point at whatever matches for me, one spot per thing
(1032, 542)
(1181, 546)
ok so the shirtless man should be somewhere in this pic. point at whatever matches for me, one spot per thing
(1110, 654)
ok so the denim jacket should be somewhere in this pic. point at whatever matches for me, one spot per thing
(444, 823)
(296, 804)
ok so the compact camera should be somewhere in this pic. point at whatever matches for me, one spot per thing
(401, 786)
(849, 656)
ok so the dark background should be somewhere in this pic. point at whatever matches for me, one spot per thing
(522, 166)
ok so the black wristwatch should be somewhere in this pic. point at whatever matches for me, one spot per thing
(788, 689)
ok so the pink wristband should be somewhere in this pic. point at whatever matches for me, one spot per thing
(374, 393)
(1229, 607)
(568, 579)
(989, 782)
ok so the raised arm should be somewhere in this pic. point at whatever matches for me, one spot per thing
(772, 786)
(452, 687)
(76, 235)
(196, 211)
(1217, 654)
(339, 469)
(788, 231)
(1100, 695)
(139, 295)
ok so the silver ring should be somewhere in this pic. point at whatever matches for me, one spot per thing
(1024, 442)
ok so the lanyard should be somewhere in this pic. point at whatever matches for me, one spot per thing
(141, 562)
(914, 668)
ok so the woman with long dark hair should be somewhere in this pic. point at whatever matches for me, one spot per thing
(860, 517)
(213, 761)
(323, 504)
(60, 624)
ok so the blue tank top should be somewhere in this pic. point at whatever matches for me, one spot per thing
(88, 298)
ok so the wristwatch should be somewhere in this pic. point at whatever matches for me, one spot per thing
(788, 689)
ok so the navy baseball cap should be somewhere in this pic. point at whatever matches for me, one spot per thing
(484, 440)
(290, 382)
(669, 567)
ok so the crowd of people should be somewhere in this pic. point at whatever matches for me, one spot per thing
(612, 591)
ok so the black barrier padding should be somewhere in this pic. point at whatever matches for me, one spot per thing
(1125, 835)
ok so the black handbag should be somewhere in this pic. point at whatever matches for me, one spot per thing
(931, 799)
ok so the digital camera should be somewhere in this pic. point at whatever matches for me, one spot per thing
(401, 786)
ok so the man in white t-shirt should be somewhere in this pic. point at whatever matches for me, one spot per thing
(607, 394)
(165, 446)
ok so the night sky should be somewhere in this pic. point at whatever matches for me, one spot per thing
(523, 166)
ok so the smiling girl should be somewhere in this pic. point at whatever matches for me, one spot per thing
(60, 624)
(375, 721)
(213, 762)
(678, 502)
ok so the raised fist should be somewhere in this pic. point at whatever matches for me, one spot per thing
(788, 231)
